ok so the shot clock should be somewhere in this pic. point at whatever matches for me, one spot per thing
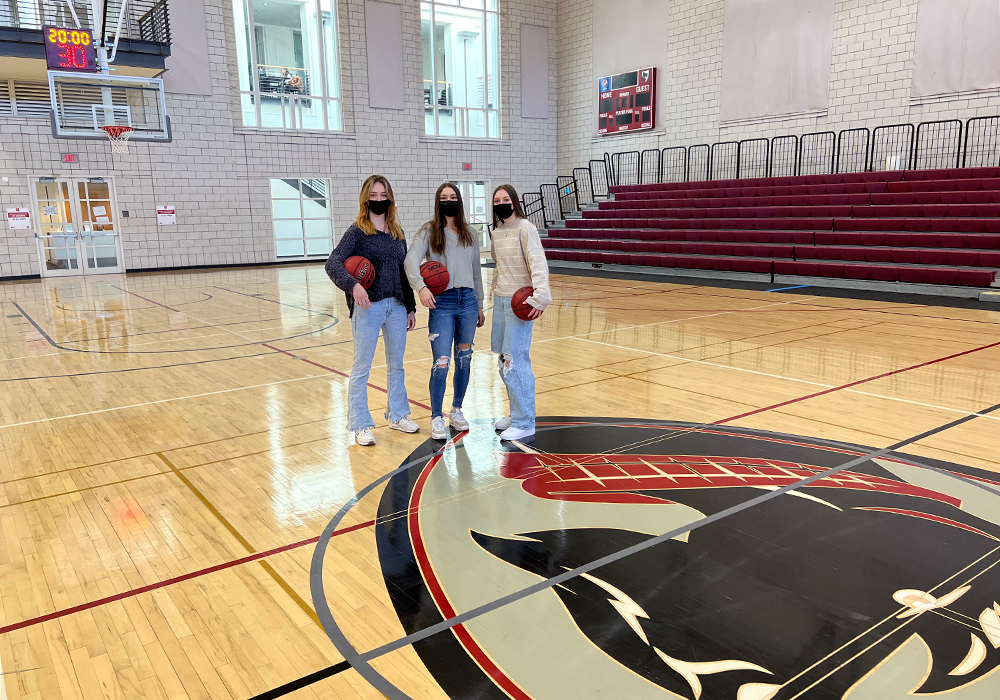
(627, 102)
(69, 49)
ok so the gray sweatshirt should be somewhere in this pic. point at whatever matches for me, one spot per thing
(464, 268)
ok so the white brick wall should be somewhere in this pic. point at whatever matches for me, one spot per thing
(216, 171)
(870, 80)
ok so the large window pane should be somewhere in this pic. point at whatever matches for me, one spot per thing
(288, 56)
(303, 222)
(460, 66)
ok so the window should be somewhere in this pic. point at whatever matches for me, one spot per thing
(288, 63)
(461, 68)
(476, 211)
(303, 222)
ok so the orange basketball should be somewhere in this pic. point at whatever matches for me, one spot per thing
(360, 269)
(519, 303)
(435, 276)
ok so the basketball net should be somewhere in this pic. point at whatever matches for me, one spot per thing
(118, 136)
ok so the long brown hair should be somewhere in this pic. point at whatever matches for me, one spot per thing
(392, 224)
(514, 199)
(435, 227)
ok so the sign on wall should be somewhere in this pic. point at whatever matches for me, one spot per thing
(18, 218)
(626, 102)
(166, 215)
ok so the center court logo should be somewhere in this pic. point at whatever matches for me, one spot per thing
(882, 578)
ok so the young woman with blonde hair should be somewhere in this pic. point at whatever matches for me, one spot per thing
(520, 260)
(387, 306)
(457, 312)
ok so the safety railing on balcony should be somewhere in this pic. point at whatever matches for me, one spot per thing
(143, 21)
(929, 145)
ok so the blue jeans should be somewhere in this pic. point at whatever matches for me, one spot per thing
(389, 317)
(452, 323)
(512, 339)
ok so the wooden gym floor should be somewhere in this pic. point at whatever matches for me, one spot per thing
(172, 445)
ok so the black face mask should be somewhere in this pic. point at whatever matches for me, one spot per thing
(451, 208)
(378, 207)
(503, 211)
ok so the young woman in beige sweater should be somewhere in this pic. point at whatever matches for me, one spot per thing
(520, 262)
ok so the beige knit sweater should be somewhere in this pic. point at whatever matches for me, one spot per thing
(520, 258)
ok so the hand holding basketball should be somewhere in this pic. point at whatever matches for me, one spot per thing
(361, 296)
(520, 306)
(427, 298)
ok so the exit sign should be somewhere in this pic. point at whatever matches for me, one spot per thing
(69, 157)
(466, 166)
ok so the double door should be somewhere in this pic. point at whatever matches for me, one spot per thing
(78, 230)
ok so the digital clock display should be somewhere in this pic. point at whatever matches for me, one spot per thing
(69, 49)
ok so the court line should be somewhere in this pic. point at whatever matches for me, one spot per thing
(241, 539)
(14, 626)
(360, 662)
(342, 374)
(860, 381)
(251, 341)
(831, 387)
(115, 286)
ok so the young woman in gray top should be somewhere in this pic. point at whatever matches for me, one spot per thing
(456, 312)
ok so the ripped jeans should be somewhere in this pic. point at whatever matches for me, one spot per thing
(452, 323)
(511, 338)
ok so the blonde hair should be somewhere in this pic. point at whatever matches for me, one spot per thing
(363, 222)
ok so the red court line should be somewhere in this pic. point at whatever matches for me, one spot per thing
(170, 581)
(337, 371)
(145, 298)
(856, 383)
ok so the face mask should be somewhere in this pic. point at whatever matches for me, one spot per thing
(504, 211)
(451, 208)
(378, 207)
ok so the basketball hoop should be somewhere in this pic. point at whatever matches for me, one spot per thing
(118, 136)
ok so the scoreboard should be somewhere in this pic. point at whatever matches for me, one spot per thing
(627, 102)
(69, 49)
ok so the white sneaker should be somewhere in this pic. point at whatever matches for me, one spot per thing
(457, 419)
(438, 429)
(503, 423)
(364, 437)
(513, 433)
(405, 425)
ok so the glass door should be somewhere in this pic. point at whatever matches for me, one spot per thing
(474, 197)
(57, 235)
(77, 230)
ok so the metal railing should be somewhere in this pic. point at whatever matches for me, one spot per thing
(929, 145)
(144, 20)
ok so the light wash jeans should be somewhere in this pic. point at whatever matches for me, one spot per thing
(452, 323)
(389, 317)
(512, 339)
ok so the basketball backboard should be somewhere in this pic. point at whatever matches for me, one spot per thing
(84, 103)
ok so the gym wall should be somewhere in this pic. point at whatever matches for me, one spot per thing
(737, 69)
(217, 171)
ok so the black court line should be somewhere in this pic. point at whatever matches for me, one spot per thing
(360, 662)
(59, 346)
(301, 683)
(208, 297)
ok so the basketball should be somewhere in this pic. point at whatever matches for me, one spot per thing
(435, 276)
(519, 303)
(360, 269)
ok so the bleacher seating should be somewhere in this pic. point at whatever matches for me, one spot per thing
(924, 227)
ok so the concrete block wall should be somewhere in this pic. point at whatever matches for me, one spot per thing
(870, 81)
(216, 172)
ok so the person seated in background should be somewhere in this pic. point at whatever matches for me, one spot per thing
(293, 83)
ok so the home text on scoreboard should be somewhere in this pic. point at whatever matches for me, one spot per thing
(627, 102)
(69, 49)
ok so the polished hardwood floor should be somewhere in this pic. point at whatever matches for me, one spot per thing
(172, 445)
